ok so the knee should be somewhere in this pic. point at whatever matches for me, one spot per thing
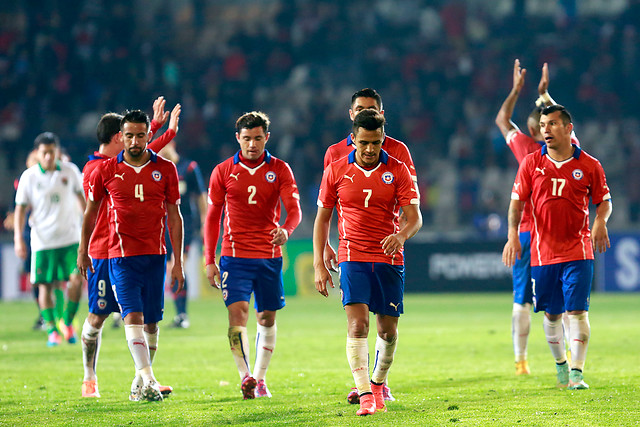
(358, 328)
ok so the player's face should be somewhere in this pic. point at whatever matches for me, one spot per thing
(363, 103)
(135, 137)
(368, 145)
(47, 155)
(252, 142)
(554, 132)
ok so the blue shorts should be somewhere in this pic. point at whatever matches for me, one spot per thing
(262, 276)
(138, 284)
(377, 284)
(522, 290)
(101, 299)
(562, 287)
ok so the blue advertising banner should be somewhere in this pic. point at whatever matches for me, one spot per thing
(618, 269)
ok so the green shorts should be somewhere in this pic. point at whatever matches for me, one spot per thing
(49, 265)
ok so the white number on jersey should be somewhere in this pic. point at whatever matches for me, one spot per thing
(558, 185)
(366, 199)
(139, 193)
(223, 282)
(102, 288)
(252, 192)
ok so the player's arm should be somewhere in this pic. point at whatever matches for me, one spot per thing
(211, 234)
(291, 201)
(160, 142)
(88, 225)
(320, 238)
(503, 119)
(393, 243)
(81, 200)
(19, 220)
(176, 233)
(599, 232)
(159, 115)
(512, 249)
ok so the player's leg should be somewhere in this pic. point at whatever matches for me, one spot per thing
(522, 302)
(576, 280)
(42, 276)
(269, 297)
(547, 290)
(127, 274)
(387, 301)
(101, 303)
(237, 285)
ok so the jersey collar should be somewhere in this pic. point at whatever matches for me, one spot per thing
(153, 158)
(384, 157)
(97, 156)
(576, 152)
(43, 170)
(267, 157)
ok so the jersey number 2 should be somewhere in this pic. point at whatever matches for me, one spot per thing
(252, 193)
(139, 193)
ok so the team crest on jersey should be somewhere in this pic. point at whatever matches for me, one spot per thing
(387, 177)
(225, 294)
(270, 176)
(65, 181)
(577, 174)
(156, 175)
(102, 303)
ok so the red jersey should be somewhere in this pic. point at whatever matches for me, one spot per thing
(522, 145)
(559, 194)
(392, 146)
(99, 243)
(137, 197)
(368, 203)
(251, 198)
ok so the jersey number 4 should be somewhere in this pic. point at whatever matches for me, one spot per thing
(139, 192)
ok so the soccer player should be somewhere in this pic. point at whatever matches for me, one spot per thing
(102, 302)
(250, 186)
(521, 145)
(558, 181)
(366, 99)
(193, 194)
(369, 187)
(141, 189)
(52, 191)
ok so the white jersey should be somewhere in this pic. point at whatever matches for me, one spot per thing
(56, 215)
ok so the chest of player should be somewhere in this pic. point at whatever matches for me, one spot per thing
(143, 184)
(367, 189)
(252, 186)
(52, 187)
(568, 181)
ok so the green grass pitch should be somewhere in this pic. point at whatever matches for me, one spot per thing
(453, 366)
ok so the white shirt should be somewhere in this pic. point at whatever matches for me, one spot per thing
(56, 215)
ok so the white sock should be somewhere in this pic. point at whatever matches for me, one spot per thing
(358, 356)
(265, 344)
(385, 351)
(520, 326)
(553, 332)
(239, 344)
(580, 333)
(566, 324)
(139, 351)
(91, 338)
(152, 343)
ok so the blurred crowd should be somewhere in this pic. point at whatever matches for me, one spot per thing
(442, 67)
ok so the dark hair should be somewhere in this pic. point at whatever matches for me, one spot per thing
(108, 126)
(253, 120)
(564, 113)
(135, 116)
(535, 114)
(367, 93)
(46, 138)
(369, 120)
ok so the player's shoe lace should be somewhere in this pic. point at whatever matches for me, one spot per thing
(563, 374)
(262, 390)
(576, 380)
(367, 405)
(248, 387)
(522, 368)
(90, 388)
